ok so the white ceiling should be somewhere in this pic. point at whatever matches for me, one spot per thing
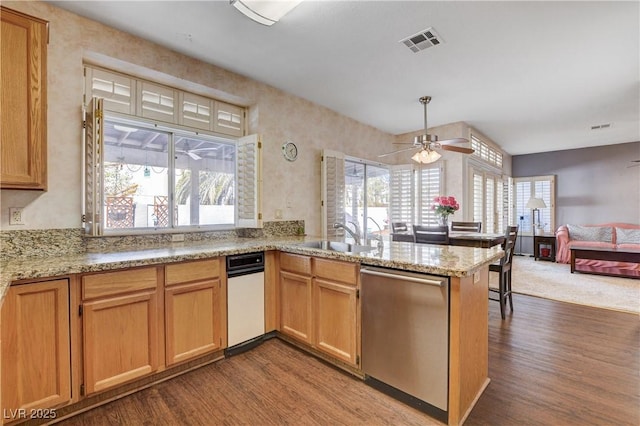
(532, 76)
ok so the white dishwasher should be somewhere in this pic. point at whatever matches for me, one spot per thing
(245, 301)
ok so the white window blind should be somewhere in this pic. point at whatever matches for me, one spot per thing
(507, 203)
(486, 152)
(157, 102)
(332, 192)
(229, 119)
(522, 193)
(543, 189)
(195, 111)
(249, 172)
(490, 205)
(94, 136)
(402, 190)
(429, 187)
(117, 90)
(478, 197)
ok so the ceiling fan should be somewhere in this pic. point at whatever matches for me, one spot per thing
(637, 163)
(428, 144)
(192, 152)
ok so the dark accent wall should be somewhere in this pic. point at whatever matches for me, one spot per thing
(593, 185)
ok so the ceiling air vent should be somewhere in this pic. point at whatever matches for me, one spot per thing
(601, 126)
(422, 40)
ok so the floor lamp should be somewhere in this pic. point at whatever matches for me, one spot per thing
(536, 204)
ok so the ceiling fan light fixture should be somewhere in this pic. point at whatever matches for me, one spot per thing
(265, 12)
(426, 156)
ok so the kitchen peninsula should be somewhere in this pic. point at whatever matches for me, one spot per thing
(466, 269)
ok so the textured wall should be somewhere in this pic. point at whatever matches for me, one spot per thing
(593, 185)
(277, 116)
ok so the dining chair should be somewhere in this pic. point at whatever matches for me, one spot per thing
(431, 234)
(400, 232)
(466, 226)
(399, 227)
(504, 267)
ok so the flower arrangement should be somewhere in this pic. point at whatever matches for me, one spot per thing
(444, 206)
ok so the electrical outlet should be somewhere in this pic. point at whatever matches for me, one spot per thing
(15, 216)
(176, 238)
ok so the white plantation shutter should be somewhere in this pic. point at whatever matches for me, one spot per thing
(490, 200)
(478, 198)
(429, 187)
(544, 189)
(502, 202)
(94, 137)
(195, 111)
(228, 119)
(332, 192)
(249, 175)
(157, 102)
(402, 193)
(522, 193)
(118, 91)
(490, 205)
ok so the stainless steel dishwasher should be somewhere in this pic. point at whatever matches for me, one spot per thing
(405, 336)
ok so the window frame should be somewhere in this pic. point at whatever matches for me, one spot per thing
(227, 122)
(550, 201)
(421, 202)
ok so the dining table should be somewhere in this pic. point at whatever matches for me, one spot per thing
(461, 238)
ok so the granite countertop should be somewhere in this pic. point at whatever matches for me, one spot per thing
(440, 260)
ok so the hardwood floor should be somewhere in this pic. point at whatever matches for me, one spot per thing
(551, 363)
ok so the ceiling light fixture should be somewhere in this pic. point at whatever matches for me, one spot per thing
(426, 155)
(265, 12)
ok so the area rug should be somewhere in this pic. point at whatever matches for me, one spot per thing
(555, 281)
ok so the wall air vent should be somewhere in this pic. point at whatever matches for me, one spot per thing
(422, 40)
(601, 126)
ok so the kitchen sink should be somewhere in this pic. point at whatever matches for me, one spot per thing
(337, 246)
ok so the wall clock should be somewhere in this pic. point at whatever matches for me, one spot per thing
(290, 151)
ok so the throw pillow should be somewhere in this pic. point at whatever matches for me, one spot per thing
(627, 236)
(590, 233)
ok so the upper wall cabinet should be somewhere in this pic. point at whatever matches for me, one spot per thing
(23, 109)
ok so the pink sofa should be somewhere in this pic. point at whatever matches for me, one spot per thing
(564, 241)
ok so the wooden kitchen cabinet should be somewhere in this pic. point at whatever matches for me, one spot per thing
(335, 296)
(195, 309)
(296, 297)
(319, 304)
(121, 318)
(23, 104)
(35, 342)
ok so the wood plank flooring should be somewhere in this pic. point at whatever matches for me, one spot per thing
(551, 363)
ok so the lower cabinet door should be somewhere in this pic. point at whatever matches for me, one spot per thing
(120, 339)
(193, 320)
(36, 357)
(295, 306)
(335, 319)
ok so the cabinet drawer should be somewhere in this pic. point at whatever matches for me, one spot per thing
(111, 283)
(198, 270)
(345, 272)
(295, 263)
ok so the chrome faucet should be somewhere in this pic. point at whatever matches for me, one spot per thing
(355, 235)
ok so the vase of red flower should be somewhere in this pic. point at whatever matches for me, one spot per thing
(444, 206)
